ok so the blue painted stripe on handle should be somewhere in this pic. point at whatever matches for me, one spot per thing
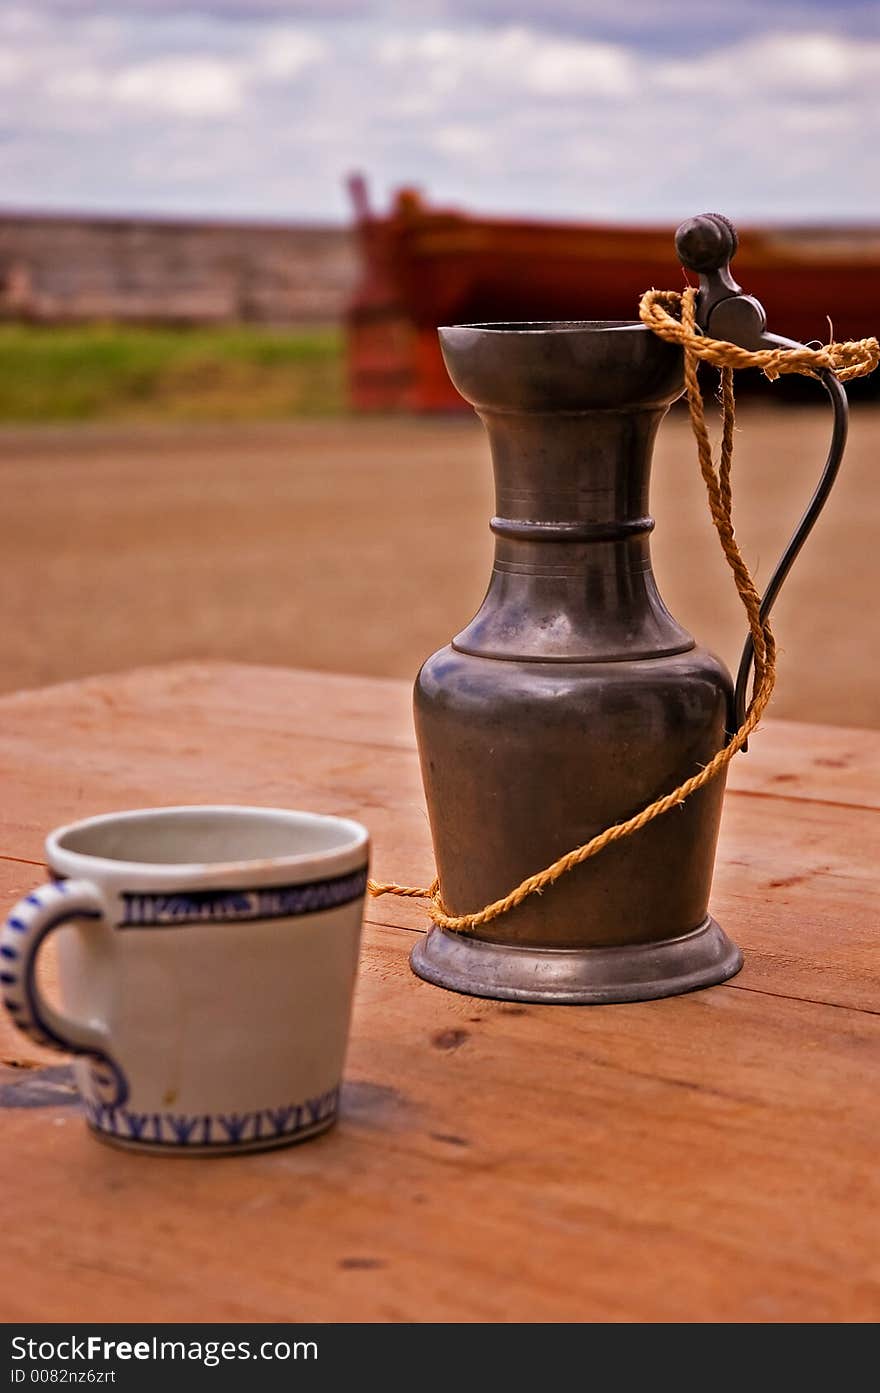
(9, 978)
(18, 924)
(7, 952)
(39, 1029)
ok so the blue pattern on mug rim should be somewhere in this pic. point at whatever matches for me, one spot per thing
(176, 909)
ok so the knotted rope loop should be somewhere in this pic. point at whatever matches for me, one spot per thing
(846, 360)
(854, 358)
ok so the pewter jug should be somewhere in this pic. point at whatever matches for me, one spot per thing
(574, 698)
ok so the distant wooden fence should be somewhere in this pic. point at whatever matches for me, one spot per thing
(75, 269)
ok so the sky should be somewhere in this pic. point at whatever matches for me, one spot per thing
(636, 110)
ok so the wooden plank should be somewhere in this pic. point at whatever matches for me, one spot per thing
(786, 758)
(290, 701)
(794, 882)
(707, 1158)
(829, 764)
(799, 896)
(16, 879)
(711, 1157)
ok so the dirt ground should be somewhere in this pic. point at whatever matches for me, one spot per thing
(362, 545)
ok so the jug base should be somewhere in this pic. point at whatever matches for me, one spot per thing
(577, 976)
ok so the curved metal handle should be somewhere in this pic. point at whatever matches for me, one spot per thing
(840, 409)
(707, 244)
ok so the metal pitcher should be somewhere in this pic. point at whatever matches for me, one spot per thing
(574, 698)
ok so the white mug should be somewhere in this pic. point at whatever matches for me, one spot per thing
(207, 958)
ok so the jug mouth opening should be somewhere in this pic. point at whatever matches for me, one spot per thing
(550, 326)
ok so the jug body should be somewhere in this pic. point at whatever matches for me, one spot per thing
(574, 698)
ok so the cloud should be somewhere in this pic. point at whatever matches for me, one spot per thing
(809, 65)
(285, 51)
(686, 24)
(259, 112)
(237, 10)
(183, 86)
(96, 68)
(512, 59)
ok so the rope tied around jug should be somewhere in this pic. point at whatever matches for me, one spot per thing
(657, 311)
(855, 358)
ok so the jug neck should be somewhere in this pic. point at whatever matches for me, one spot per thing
(572, 579)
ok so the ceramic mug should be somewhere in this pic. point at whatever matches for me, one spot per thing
(207, 958)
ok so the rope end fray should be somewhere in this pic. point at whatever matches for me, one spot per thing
(390, 887)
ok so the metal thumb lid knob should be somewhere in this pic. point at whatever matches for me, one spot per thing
(706, 243)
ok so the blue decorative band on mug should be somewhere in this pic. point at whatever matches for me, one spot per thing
(221, 1130)
(175, 909)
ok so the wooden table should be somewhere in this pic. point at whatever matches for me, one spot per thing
(709, 1157)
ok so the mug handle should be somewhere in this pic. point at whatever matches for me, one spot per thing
(27, 927)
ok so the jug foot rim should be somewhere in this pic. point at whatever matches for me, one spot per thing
(578, 976)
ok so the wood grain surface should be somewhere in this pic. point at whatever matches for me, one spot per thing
(706, 1158)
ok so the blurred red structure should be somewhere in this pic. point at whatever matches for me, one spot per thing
(422, 267)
